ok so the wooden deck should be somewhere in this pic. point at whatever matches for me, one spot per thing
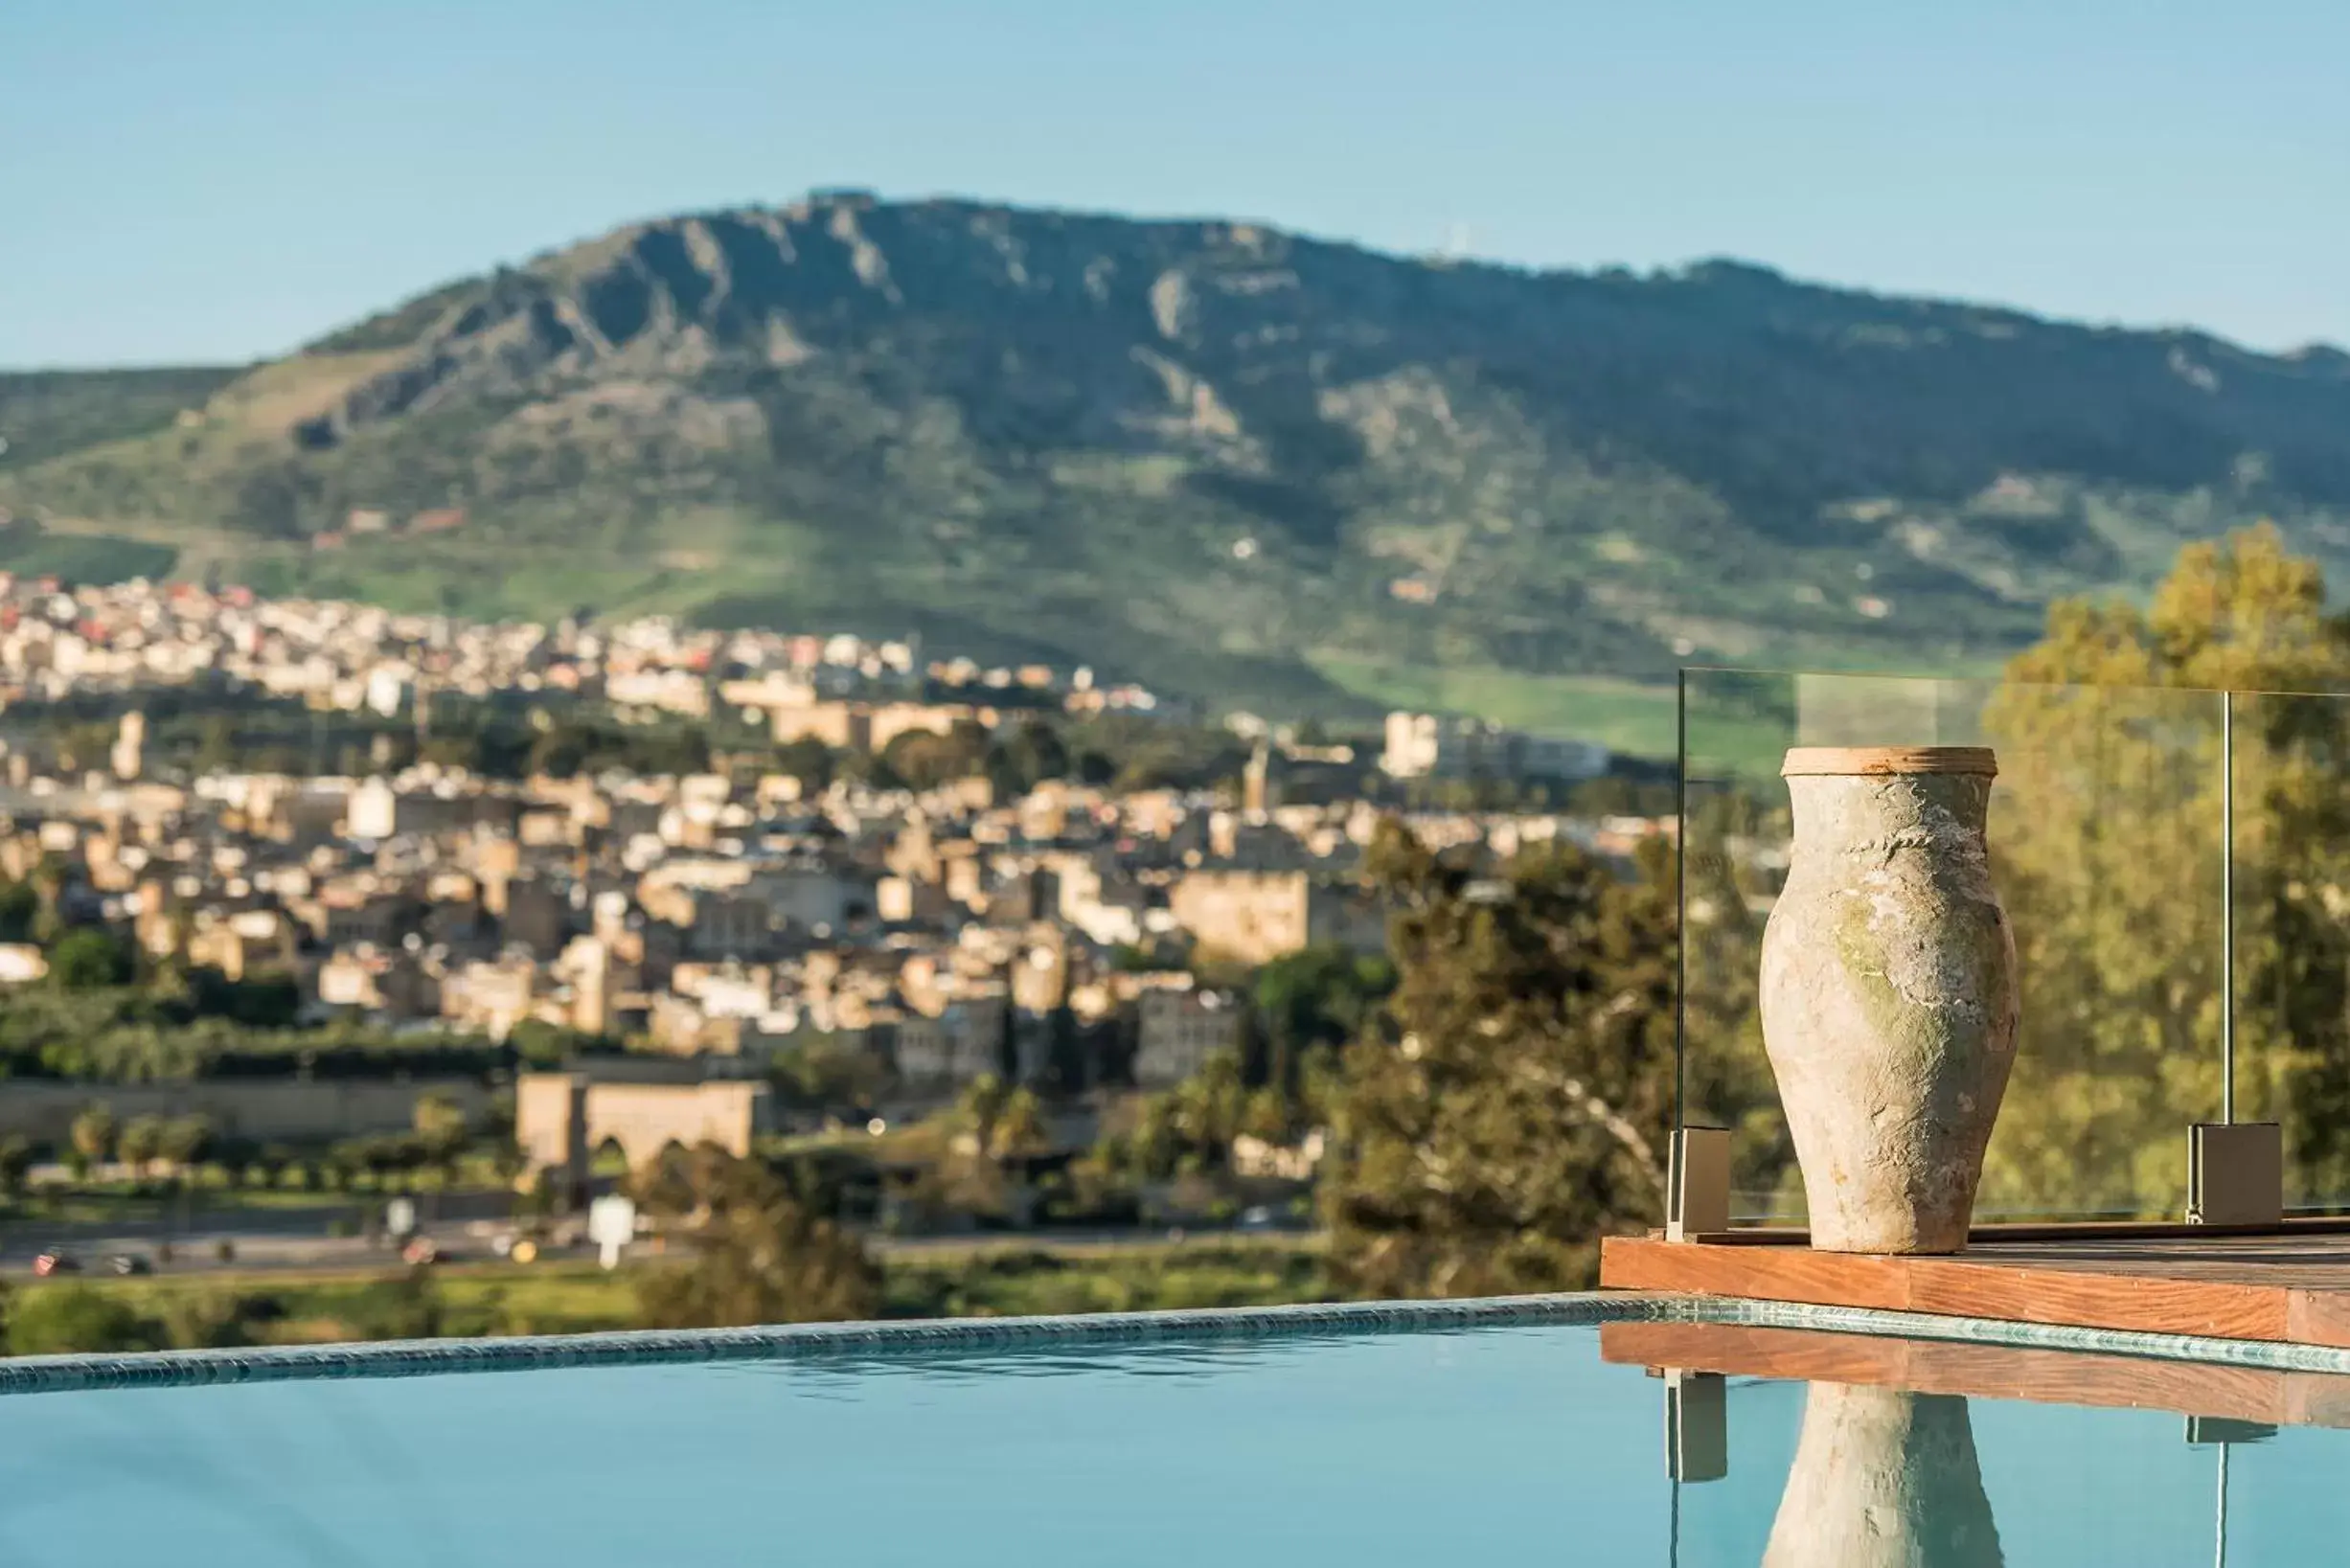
(1990, 1371)
(2290, 1285)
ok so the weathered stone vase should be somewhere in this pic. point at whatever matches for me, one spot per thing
(1888, 993)
(1884, 1478)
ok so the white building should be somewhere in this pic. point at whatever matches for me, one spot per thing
(1435, 746)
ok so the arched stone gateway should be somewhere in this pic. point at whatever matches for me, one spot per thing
(559, 1118)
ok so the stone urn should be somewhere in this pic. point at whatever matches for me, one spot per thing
(1884, 1478)
(1888, 992)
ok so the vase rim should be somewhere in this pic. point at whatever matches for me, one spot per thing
(1869, 761)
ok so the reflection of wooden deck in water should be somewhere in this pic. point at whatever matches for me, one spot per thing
(2290, 1285)
(1986, 1372)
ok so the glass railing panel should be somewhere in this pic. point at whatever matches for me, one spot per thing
(2291, 900)
(1736, 726)
(2107, 848)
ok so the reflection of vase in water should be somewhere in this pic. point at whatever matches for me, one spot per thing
(1888, 993)
(1884, 1477)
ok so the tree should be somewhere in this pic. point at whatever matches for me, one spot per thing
(1316, 996)
(20, 909)
(64, 1319)
(560, 752)
(1207, 1109)
(1513, 1107)
(216, 1320)
(93, 1134)
(542, 1044)
(216, 744)
(981, 1103)
(15, 1162)
(1266, 1117)
(1186, 1130)
(1038, 752)
(1018, 1129)
(141, 1143)
(826, 1073)
(88, 959)
(273, 498)
(241, 1159)
(262, 1000)
(925, 759)
(406, 1308)
(1064, 1049)
(49, 881)
(759, 1256)
(808, 759)
(1128, 959)
(1008, 1040)
(441, 1131)
(185, 1141)
(2106, 840)
(1019, 759)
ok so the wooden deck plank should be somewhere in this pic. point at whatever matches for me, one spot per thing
(1992, 1371)
(1788, 1274)
(2051, 1294)
(2292, 1286)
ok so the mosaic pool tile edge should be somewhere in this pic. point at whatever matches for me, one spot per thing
(411, 1359)
(403, 1358)
(2271, 1355)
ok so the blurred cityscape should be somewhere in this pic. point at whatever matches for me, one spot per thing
(312, 913)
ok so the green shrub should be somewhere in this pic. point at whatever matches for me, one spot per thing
(59, 1319)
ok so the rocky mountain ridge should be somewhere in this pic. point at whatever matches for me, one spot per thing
(1246, 465)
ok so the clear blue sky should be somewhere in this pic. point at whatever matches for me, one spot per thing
(222, 180)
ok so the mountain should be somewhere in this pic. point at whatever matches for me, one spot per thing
(1244, 466)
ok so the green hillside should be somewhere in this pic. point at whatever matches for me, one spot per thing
(1244, 466)
(45, 413)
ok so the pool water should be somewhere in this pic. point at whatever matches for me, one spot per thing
(1493, 1444)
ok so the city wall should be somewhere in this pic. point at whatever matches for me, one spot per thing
(285, 1111)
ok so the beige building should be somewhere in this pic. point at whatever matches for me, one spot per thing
(588, 964)
(893, 719)
(490, 997)
(841, 725)
(1257, 916)
(858, 726)
(130, 745)
(561, 1118)
(247, 941)
(375, 980)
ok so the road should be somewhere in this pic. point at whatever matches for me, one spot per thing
(258, 1238)
(467, 1226)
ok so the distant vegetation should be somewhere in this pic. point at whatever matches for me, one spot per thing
(191, 1313)
(1492, 1099)
(45, 413)
(1244, 467)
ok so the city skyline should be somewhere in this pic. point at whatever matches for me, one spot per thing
(255, 182)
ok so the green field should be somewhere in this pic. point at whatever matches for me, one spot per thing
(1635, 720)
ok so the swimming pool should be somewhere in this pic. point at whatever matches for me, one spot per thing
(1527, 1431)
